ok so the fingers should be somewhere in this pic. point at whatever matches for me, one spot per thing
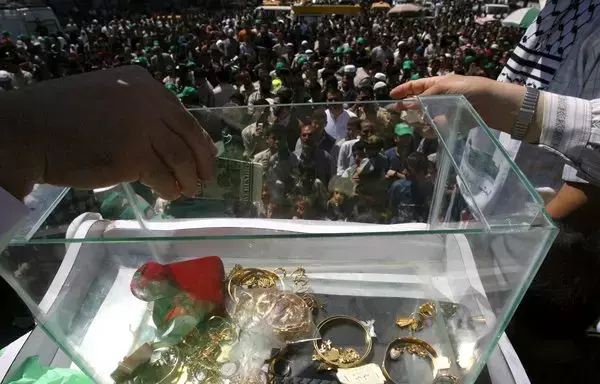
(160, 179)
(178, 158)
(414, 88)
(183, 124)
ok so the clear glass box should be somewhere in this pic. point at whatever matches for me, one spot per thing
(472, 247)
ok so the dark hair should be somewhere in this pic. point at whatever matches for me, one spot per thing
(417, 163)
(359, 146)
(336, 92)
(224, 75)
(285, 95)
(261, 102)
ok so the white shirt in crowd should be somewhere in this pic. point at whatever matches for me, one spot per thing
(345, 158)
(338, 127)
(222, 93)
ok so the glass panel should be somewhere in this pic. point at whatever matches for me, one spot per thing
(487, 180)
(418, 248)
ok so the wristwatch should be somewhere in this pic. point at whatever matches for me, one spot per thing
(526, 113)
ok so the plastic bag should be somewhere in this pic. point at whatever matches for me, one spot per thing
(286, 314)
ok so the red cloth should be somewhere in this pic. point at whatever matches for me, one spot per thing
(201, 279)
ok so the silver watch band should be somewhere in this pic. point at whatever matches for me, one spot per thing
(526, 113)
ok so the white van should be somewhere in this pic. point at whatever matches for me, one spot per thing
(496, 9)
(28, 21)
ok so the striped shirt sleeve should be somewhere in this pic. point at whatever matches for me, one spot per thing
(572, 127)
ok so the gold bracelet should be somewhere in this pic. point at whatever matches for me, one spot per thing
(410, 345)
(251, 278)
(332, 357)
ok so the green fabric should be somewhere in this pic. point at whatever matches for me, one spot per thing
(257, 21)
(171, 87)
(187, 91)
(490, 66)
(469, 59)
(402, 129)
(32, 372)
(339, 51)
(280, 66)
(408, 64)
(416, 76)
(302, 59)
(348, 50)
(5, 33)
(361, 40)
(156, 43)
(190, 64)
(525, 20)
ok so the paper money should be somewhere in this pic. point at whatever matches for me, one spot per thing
(233, 180)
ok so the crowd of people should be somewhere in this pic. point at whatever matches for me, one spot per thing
(345, 153)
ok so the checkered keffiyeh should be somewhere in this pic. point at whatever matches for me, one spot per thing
(549, 40)
(551, 56)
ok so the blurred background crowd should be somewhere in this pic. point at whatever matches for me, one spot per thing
(312, 82)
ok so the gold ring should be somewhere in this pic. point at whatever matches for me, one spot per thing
(332, 358)
(428, 309)
(411, 345)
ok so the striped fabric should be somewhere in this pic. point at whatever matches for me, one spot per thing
(548, 41)
(558, 53)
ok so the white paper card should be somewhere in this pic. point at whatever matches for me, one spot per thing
(367, 374)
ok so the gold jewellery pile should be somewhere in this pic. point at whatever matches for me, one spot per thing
(332, 357)
(418, 320)
(250, 278)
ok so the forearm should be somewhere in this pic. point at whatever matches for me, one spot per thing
(21, 157)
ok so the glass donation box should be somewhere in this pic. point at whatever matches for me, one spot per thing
(376, 242)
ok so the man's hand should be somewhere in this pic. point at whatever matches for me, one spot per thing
(497, 103)
(99, 129)
(390, 174)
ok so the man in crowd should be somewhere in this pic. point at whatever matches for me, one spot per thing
(337, 115)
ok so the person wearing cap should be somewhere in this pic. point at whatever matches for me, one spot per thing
(289, 54)
(380, 89)
(5, 81)
(404, 145)
(379, 76)
(367, 110)
(231, 47)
